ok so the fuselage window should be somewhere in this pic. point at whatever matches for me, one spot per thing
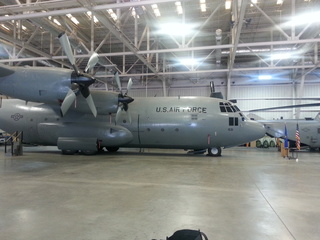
(233, 121)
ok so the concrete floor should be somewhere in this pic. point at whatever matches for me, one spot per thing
(245, 194)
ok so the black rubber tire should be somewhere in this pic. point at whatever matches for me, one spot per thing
(272, 143)
(214, 151)
(258, 144)
(68, 152)
(88, 152)
(112, 149)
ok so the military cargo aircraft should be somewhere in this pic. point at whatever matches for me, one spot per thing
(309, 130)
(174, 122)
(56, 107)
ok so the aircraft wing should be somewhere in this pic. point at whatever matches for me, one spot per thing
(5, 70)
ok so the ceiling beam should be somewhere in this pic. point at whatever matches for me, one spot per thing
(27, 11)
(169, 50)
(123, 38)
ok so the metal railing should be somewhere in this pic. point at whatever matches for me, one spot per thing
(13, 144)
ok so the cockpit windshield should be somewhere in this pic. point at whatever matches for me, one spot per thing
(228, 107)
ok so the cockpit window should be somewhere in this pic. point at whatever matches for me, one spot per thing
(222, 107)
(228, 107)
(238, 110)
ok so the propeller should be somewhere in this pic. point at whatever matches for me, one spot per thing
(82, 80)
(123, 99)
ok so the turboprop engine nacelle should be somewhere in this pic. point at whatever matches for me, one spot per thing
(35, 84)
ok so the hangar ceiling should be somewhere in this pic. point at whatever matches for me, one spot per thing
(252, 38)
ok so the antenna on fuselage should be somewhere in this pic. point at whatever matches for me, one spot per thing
(215, 94)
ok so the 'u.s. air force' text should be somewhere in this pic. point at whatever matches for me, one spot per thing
(181, 109)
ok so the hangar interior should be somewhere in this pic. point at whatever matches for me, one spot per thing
(253, 50)
(250, 49)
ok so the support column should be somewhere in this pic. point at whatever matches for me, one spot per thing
(293, 13)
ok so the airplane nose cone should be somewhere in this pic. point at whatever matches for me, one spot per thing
(257, 130)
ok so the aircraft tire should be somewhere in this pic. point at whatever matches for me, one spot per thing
(112, 149)
(68, 152)
(214, 151)
(88, 152)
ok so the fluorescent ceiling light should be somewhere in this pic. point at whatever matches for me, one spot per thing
(228, 4)
(156, 10)
(95, 20)
(56, 22)
(265, 77)
(203, 5)
(281, 56)
(73, 19)
(176, 29)
(5, 27)
(112, 14)
(188, 61)
(253, 1)
(134, 14)
(179, 7)
(304, 19)
(279, 2)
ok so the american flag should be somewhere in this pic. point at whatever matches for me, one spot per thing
(297, 137)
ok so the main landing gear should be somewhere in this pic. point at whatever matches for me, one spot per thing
(214, 151)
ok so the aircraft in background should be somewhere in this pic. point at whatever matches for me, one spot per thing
(309, 128)
(47, 115)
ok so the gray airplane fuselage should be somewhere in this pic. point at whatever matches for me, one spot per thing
(309, 130)
(173, 122)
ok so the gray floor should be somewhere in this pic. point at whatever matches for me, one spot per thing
(245, 194)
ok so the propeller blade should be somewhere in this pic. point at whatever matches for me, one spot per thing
(116, 76)
(92, 61)
(118, 114)
(64, 41)
(92, 106)
(129, 116)
(129, 86)
(67, 102)
(87, 95)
